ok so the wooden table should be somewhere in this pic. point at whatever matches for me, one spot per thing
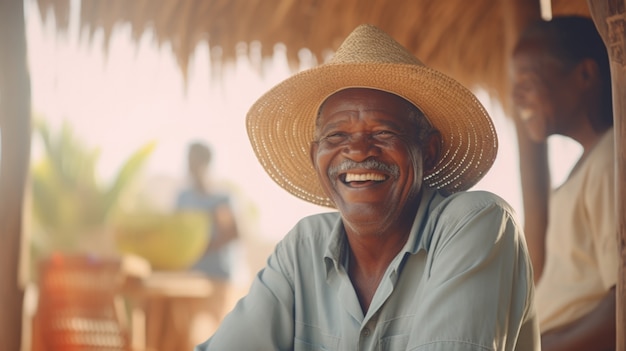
(163, 306)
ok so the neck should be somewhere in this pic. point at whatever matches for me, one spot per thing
(588, 140)
(370, 256)
(588, 137)
(199, 184)
(591, 124)
(586, 127)
(375, 242)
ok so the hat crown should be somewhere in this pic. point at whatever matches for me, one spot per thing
(368, 43)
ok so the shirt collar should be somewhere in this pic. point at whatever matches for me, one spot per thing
(336, 250)
(417, 240)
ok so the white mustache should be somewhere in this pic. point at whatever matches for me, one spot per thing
(369, 164)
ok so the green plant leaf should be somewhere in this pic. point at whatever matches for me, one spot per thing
(67, 199)
(128, 172)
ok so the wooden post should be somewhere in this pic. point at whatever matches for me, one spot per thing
(610, 19)
(14, 159)
(533, 156)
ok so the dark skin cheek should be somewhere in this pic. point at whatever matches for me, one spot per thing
(318, 154)
(417, 173)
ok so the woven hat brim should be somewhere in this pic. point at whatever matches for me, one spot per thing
(281, 123)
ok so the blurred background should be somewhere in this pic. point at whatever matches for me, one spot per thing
(133, 93)
(114, 109)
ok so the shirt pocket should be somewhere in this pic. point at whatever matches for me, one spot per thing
(394, 342)
(322, 342)
(310, 337)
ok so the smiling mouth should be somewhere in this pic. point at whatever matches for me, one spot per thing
(525, 114)
(362, 178)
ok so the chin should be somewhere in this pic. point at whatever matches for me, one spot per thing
(535, 131)
(363, 209)
(537, 136)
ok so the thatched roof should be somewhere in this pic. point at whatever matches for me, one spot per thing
(465, 39)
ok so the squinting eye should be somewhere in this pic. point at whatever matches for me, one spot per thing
(384, 134)
(524, 87)
(335, 137)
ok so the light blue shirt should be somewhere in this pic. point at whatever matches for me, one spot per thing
(463, 281)
(218, 264)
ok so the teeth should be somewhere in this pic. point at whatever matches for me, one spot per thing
(351, 177)
(525, 114)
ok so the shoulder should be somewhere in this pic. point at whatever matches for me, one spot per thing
(598, 172)
(480, 215)
(602, 159)
(186, 192)
(191, 198)
(186, 197)
(219, 198)
(319, 221)
(471, 202)
(313, 228)
(307, 241)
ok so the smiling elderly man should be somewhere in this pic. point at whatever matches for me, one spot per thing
(411, 260)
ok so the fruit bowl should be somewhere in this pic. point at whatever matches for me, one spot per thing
(172, 241)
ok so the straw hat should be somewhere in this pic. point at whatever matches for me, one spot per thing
(281, 123)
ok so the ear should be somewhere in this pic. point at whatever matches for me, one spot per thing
(431, 150)
(588, 72)
(312, 152)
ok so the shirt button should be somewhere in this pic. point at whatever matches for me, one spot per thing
(366, 332)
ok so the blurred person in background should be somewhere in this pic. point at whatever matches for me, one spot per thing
(562, 86)
(219, 262)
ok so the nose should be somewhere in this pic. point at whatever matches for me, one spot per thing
(360, 147)
(517, 94)
(521, 94)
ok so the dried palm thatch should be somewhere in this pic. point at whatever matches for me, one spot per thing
(465, 39)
